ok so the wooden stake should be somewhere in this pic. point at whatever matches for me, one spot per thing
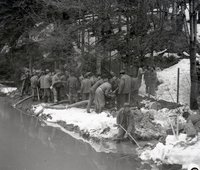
(178, 80)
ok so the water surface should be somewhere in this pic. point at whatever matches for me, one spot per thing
(27, 144)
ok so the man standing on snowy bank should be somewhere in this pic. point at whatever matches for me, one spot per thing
(85, 87)
(92, 93)
(34, 86)
(125, 122)
(100, 93)
(72, 85)
(124, 88)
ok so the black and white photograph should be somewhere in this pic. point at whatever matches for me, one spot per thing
(99, 84)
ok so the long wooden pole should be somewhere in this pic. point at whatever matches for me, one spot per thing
(130, 135)
(178, 86)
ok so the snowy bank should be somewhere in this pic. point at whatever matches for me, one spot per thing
(93, 124)
(176, 151)
(99, 126)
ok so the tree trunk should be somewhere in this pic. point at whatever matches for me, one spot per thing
(98, 65)
(83, 36)
(31, 64)
(193, 73)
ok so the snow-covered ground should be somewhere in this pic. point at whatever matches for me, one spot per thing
(91, 123)
(168, 89)
(175, 151)
(7, 90)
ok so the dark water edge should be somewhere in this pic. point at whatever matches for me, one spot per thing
(27, 144)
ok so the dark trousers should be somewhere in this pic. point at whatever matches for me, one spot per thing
(124, 98)
(91, 99)
(47, 95)
(85, 96)
(34, 94)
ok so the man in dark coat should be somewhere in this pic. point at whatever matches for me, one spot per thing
(26, 83)
(153, 81)
(147, 79)
(41, 84)
(72, 85)
(56, 84)
(34, 86)
(125, 119)
(47, 85)
(134, 90)
(124, 88)
(85, 87)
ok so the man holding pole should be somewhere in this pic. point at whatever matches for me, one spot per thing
(126, 123)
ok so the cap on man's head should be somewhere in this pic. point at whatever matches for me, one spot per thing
(126, 105)
(122, 72)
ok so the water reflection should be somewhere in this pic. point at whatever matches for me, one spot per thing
(26, 143)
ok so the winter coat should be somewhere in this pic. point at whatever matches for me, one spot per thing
(72, 84)
(125, 84)
(106, 88)
(47, 81)
(147, 77)
(100, 93)
(96, 85)
(41, 80)
(126, 120)
(153, 77)
(34, 81)
(86, 85)
(134, 84)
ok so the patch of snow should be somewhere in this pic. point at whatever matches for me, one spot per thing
(155, 54)
(175, 151)
(171, 54)
(92, 123)
(186, 54)
(7, 90)
(168, 90)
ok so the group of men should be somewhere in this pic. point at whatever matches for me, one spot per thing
(100, 89)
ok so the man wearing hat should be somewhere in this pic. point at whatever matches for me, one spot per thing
(124, 88)
(47, 85)
(85, 87)
(125, 119)
(100, 93)
(92, 92)
(41, 83)
(34, 85)
(56, 84)
(72, 88)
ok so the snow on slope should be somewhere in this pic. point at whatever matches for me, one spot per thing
(168, 89)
